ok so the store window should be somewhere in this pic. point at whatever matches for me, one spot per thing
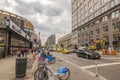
(2, 38)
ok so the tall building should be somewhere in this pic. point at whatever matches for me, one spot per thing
(95, 20)
(65, 40)
(51, 41)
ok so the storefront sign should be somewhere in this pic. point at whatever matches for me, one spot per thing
(15, 28)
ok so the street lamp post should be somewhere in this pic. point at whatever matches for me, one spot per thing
(39, 41)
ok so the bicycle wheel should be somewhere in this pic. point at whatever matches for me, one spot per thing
(64, 76)
(38, 74)
(41, 74)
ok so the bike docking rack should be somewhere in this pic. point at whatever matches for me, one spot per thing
(44, 72)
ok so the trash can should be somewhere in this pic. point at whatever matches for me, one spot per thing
(21, 65)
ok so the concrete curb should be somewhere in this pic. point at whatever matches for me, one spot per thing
(34, 67)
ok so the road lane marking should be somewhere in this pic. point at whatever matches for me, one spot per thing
(100, 65)
(111, 58)
(84, 70)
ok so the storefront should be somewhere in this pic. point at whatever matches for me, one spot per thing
(13, 38)
(116, 45)
(3, 35)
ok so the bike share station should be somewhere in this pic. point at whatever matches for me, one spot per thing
(44, 72)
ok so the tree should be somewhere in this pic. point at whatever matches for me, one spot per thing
(62, 46)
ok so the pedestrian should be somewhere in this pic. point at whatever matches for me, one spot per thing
(22, 52)
(109, 50)
(18, 53)
(33, 53)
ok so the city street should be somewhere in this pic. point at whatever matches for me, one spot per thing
(85, 69)
(80, 68)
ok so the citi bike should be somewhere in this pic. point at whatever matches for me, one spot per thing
(45, 73)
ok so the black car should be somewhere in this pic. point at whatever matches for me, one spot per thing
(87, 53)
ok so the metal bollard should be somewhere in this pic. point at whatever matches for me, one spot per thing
(96, 68)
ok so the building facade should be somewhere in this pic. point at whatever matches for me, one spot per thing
(51, 41)
(96, 20)
(65, 40)
(12, 34)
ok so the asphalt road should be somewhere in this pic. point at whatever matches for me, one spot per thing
(106, 68)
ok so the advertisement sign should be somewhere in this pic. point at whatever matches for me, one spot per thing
(15, 28)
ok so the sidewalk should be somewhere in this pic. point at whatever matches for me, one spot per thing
(7, 68)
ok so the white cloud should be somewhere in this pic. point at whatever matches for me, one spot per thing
(48, 16)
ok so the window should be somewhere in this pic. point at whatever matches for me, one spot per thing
(104, 9)
(115, 14)
(2, 37)
(90, 17)
(90, 3)
(91, 32)
(116, 37)
(106, 38)
(104, 18)
(82, 35)
(97, 22)
(96, 13)
(97, 31)
(103, 1)
(96, 6)
(105, 28)
(116, 26)
(90, 10)
(114, 2)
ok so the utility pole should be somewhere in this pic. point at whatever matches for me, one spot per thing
(39, 41)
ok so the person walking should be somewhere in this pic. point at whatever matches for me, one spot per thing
(18, 53)
(22, 52)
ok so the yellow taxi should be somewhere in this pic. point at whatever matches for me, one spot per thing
(66, 51)
(59, 50)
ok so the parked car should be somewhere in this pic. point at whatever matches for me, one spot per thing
(87, 53)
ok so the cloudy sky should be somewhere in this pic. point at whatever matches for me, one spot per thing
(48, 16)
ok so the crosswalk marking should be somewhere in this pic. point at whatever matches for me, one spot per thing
(84, 70)
(100, 65)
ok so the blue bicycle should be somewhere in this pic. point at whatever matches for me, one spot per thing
(45, 73)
